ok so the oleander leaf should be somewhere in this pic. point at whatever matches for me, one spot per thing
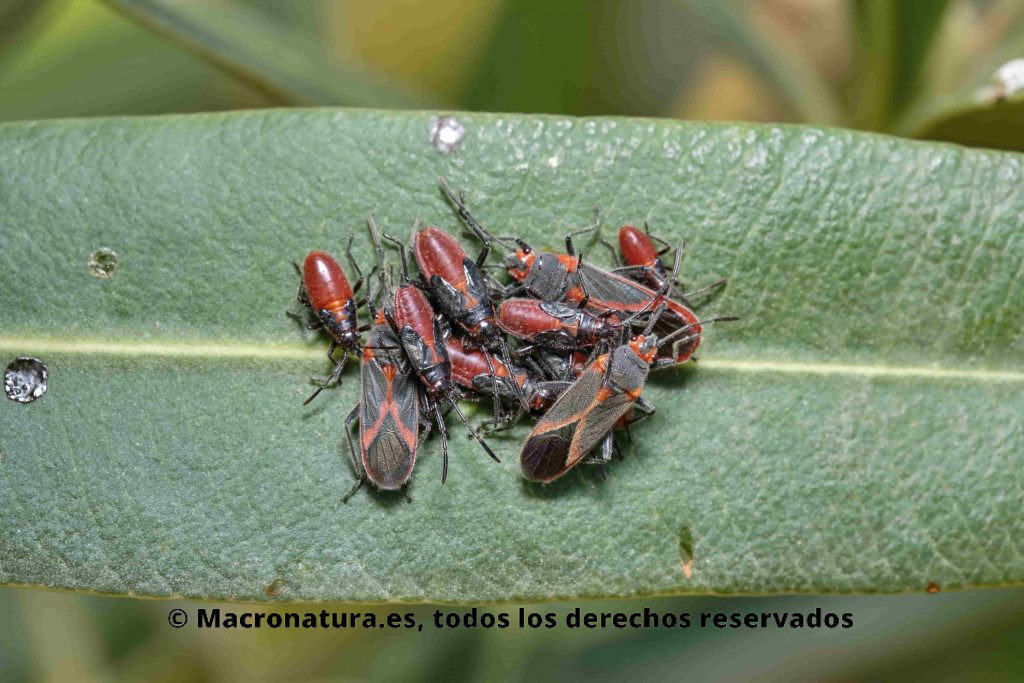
(279, 48)
(859, 430)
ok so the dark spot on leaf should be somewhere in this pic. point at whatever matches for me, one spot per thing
(933, 587)
(25, 379)
(103, 263)
(274, 588)
(686, 550)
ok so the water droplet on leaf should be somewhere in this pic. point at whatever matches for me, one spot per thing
(25, 379)
(446, 133)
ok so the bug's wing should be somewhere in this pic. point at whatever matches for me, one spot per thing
(597, 424)
(609, 290)
(388, 424)
(576, 422)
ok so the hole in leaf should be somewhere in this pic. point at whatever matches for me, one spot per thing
(103, 263)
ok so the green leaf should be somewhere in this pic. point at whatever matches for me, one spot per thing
(964, 101)
(86, 60)
(859, 430)
(893, 41)
(783, 67)
(275, 48)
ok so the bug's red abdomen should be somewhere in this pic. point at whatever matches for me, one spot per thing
(637, 247)
(468, 363)
(438, 253)
(413, 310)
(524, 318)
(326, 284)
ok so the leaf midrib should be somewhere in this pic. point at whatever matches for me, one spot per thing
(213, 349)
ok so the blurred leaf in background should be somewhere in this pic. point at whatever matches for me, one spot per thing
(919, 69)
(950, 636)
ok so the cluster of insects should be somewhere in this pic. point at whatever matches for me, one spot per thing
(566, 342)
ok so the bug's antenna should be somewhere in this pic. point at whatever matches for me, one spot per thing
(459, 202)
(684, 328)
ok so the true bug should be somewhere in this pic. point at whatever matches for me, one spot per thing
(642, 257)
(420, 336)
(459, 287)
(388, 412)
(645, 265)
(324, 289)
(475, 371)
(586, 412)
(567, 277)
(557, 326)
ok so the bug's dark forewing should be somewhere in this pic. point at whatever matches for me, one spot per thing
(544, 456)
(391, 455)
(553, 446)
(598, 422)
(556, 309)
(414, 346)
(476, 285)
(388, 451)
(609, 290)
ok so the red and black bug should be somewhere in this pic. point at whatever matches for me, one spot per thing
(645, 265)
(474, 370)
(585, 413)
(642, 257)
(420, 336)
(559, 327)
(388, 411)
(325, 291)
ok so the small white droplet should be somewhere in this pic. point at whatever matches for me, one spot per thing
(1007, 81)
(554, 162)
(446, 133)
(25, 379)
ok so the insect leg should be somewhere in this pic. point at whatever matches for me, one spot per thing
(335, 376)
(301, 296)
(604, 456)
(569, 248)
(645, 407)
(444, 441)
(473, 432)
(357, 466)
(665, 249)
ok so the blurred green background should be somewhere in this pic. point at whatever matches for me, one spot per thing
(928, 69)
